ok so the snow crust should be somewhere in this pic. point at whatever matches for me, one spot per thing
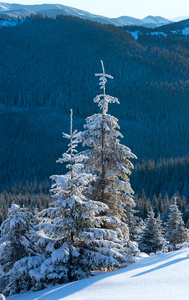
(157, 277)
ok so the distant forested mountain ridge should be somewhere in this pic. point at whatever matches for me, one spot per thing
(47, 67)
(176, 28)
(13, 10)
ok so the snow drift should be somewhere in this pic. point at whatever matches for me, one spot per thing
(157, 277)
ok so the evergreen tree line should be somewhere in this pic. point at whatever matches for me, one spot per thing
(160, 205)
(34, 195)
(31, 195)
(153, 237)
(164, 176)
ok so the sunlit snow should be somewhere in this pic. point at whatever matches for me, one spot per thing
(158, 277)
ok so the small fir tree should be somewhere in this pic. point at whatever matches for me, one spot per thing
(175, 231)
(151, 239)
(16, 237)
(16, 240)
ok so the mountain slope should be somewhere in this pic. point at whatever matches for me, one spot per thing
(177, 28)
(52, 10)
(157, 277)
(51, 64)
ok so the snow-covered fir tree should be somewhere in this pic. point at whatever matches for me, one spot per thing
(108, 158)
(151, 239)
(71, 232)
(175, 231)
(16, 237)
(16, 243)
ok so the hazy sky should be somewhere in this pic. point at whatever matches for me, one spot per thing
(117, 8)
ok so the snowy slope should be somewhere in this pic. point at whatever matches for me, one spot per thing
(157, 21)
(3, 8)
(52, 10)
(179, 18)
(162, 277)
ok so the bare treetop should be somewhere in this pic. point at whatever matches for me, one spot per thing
(103, 76)
(103, 100)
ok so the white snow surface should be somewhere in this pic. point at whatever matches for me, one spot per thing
(157, 277)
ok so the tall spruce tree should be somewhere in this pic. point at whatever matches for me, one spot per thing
(175, 231)
(71, 230)
(151, 239)
(108, 159)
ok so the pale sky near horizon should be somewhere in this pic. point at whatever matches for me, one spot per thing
(116, 8)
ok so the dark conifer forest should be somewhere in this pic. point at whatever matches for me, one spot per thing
(47, 66)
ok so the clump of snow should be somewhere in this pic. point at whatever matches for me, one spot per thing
(157, 277)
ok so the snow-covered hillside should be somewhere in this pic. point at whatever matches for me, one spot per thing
(3, 8)
(157, 21)
(179, 28)
(52, 10)
(162, 277)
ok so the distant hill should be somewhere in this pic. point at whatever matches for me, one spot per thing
(52, 10)
(177, 19)
(177, 28)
